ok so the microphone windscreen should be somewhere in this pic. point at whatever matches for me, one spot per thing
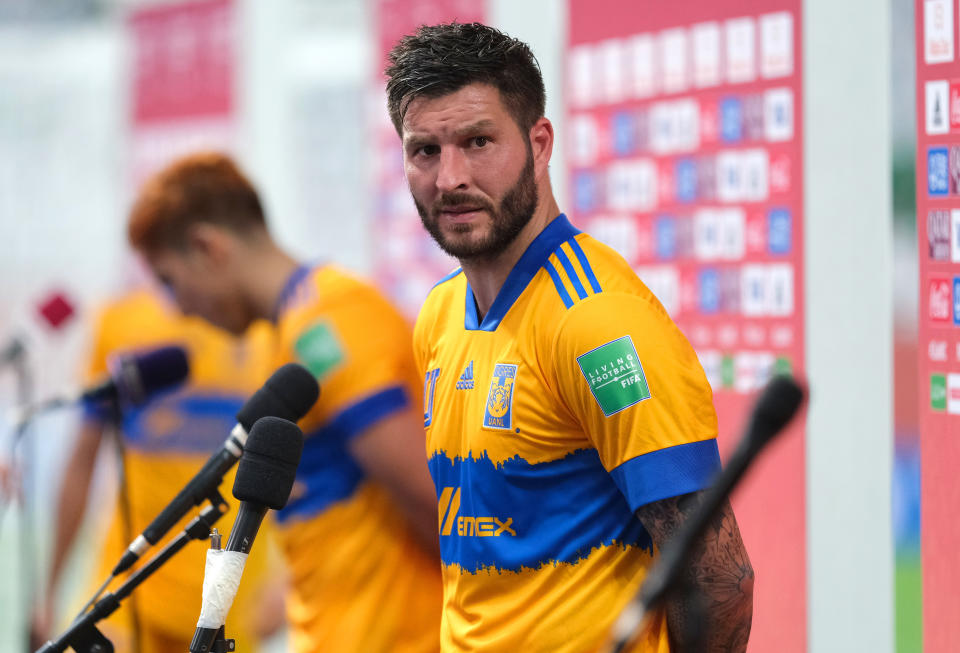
(268, 466)
(290, 393)
(161, 368)
(776, 406)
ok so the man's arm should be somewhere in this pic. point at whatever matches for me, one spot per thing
(393, 452)
(71, 506)
(718, 592)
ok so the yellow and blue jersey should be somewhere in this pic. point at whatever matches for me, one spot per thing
(574, 401)
(360, 580)
(166, 442)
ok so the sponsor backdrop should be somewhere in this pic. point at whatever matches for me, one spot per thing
(406, 260)
(938, 231)
(685, 154)
(181, 82)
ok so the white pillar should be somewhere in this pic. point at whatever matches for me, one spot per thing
(849, 295)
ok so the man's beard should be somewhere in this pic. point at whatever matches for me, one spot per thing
(506, 221)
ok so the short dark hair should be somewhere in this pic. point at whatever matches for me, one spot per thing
(440, 59)
(202, 187)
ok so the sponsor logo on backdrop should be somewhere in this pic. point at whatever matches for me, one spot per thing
(937, 107)
(938, 234)
(776, 44)
(938, 392)
(741, 50)
(937, 350)
(956, 301)
(955, 235)
(706, 54)
(937, 171)
(937, 31)
(940, 300)
(953, 394)
(779, 232)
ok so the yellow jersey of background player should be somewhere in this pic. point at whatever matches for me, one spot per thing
(359, 573)
(165, 442)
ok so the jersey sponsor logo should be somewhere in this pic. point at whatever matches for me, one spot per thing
(465, 382)
(615, 376)
(319, 349)
(467, 526)
(498, 413)
(429, 391)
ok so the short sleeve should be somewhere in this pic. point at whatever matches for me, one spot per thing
(360, 351)
(635, 384)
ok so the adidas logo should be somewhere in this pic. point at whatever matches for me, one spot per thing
(465, 382)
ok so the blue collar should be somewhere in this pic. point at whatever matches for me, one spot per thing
(554, 234)
(290, 287)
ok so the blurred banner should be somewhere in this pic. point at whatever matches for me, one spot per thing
(938, 235)
(181, 81)
(686, 155)
(406, 260)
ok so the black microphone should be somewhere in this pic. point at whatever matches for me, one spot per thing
(264, 479)
(776, 406)
(132, 380)
(289, 393)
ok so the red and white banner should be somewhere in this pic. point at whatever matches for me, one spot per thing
(685, 151)
(182, 81)
(938, 234)
(406, 260)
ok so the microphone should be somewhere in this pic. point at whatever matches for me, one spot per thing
(264, 479)
(133, 379)
(776, 406)
(289, 393)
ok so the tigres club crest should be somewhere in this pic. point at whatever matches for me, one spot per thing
(498, 413)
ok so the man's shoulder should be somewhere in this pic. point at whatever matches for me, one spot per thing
(443, 291)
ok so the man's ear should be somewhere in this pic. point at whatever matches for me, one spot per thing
(211, 244)
(541, 143)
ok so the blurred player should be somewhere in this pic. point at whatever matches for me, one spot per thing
(359, 531)
(165, 443)
(569, 423)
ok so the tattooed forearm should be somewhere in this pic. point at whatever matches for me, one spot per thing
(712, 608)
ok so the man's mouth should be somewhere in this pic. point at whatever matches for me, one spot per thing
(460, 213)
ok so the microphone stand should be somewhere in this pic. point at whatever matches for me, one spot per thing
(83, 636)
(774, 409)
(27, 561)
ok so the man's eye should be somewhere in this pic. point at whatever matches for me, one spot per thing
(480, 141)
(429, 150)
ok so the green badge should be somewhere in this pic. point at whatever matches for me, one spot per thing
(783, 366)
(727, 372)
(318, 349)
(938, 392)
(614, 375)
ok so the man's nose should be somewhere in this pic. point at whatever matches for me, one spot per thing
(453, 173)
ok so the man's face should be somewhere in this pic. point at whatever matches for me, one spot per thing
(200, 287)
(470, 170)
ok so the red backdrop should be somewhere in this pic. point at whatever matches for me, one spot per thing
(938, 232)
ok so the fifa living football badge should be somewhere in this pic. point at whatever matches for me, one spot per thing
(498, 413)
(615, 376)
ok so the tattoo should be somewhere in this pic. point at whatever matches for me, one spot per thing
(712, 608)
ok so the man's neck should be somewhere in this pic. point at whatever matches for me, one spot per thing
(487, 276)
(268, 270)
